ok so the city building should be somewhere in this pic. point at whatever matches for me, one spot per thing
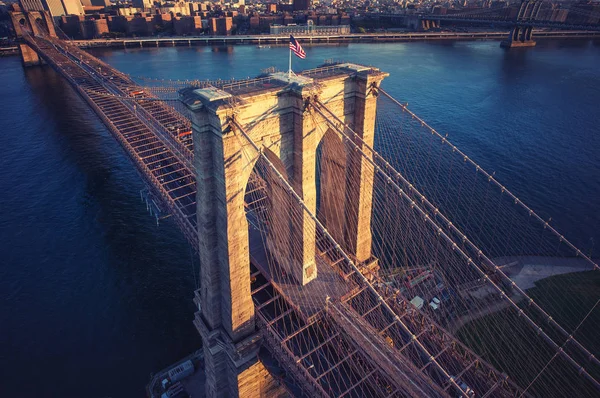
(221, 26)
(143, 4)
(187, 25)
(93, 28)
(301, 5)
(55, 7)
(100, 3)
(309, 29)
(72, 7)
(141, 26)
(179, 8)
(31, 5)
(117, 23)
(70, 25)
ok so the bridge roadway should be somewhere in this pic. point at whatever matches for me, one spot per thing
(502, 21)
(142, 128)
(353, 346)
(144, 42)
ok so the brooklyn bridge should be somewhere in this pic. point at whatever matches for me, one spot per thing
(341, 233)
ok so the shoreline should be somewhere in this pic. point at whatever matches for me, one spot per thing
(525, 271)
(268, 40)
(309, 41)
(8, 51)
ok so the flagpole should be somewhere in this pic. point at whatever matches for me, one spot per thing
(290, 66)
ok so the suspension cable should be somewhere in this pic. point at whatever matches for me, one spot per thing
(363, 278)
(455, 247)
(491, 178)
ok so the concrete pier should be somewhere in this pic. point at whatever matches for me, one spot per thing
(28, 56)
(519, 37)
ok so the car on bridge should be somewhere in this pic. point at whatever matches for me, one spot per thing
(466, 390)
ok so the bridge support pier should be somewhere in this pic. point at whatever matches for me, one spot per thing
(29, 56)
(37, 22)
(234, 369)
(226, 320)
(360, 174)
(519, 36)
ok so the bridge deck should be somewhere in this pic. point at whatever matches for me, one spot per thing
(163, 162)
(320, 356)
(310, 299)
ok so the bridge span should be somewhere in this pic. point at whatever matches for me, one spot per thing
(276, 184)
(527, 18)
(270, 40)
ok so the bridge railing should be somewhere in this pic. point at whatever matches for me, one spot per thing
(189, 231)
(183, 153)
(288, 359)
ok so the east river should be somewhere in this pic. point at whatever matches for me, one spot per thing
(95, 296)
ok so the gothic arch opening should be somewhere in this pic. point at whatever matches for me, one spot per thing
(267, 204)
(42, 24)
(331, 183)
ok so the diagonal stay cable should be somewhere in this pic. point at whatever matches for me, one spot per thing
(337, 246)
(491, 178)
(470, 261)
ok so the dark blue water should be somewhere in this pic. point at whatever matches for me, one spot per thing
(95, 296)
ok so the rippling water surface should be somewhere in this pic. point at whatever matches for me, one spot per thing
(96, 296)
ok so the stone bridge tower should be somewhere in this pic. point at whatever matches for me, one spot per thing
(36, 22)
(278, 118)
(521, 34)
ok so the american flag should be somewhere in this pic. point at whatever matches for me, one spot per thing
(297, 48)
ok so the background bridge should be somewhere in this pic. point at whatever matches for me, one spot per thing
(343, 233)
(523, 18)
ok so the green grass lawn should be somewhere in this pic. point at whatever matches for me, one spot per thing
(511, 346)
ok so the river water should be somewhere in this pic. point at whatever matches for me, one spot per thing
(96, 296)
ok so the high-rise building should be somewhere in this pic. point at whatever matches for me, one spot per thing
(101, 3)
(31, 5)
(58, 8)
(221, 26)
(55, 7)
(73, 7)
(143, 4)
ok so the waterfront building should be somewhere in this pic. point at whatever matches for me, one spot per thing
(186, 25)
(221, 26)
(93, 28)
(310, 29)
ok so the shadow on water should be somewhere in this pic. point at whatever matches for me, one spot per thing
(110, 299)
